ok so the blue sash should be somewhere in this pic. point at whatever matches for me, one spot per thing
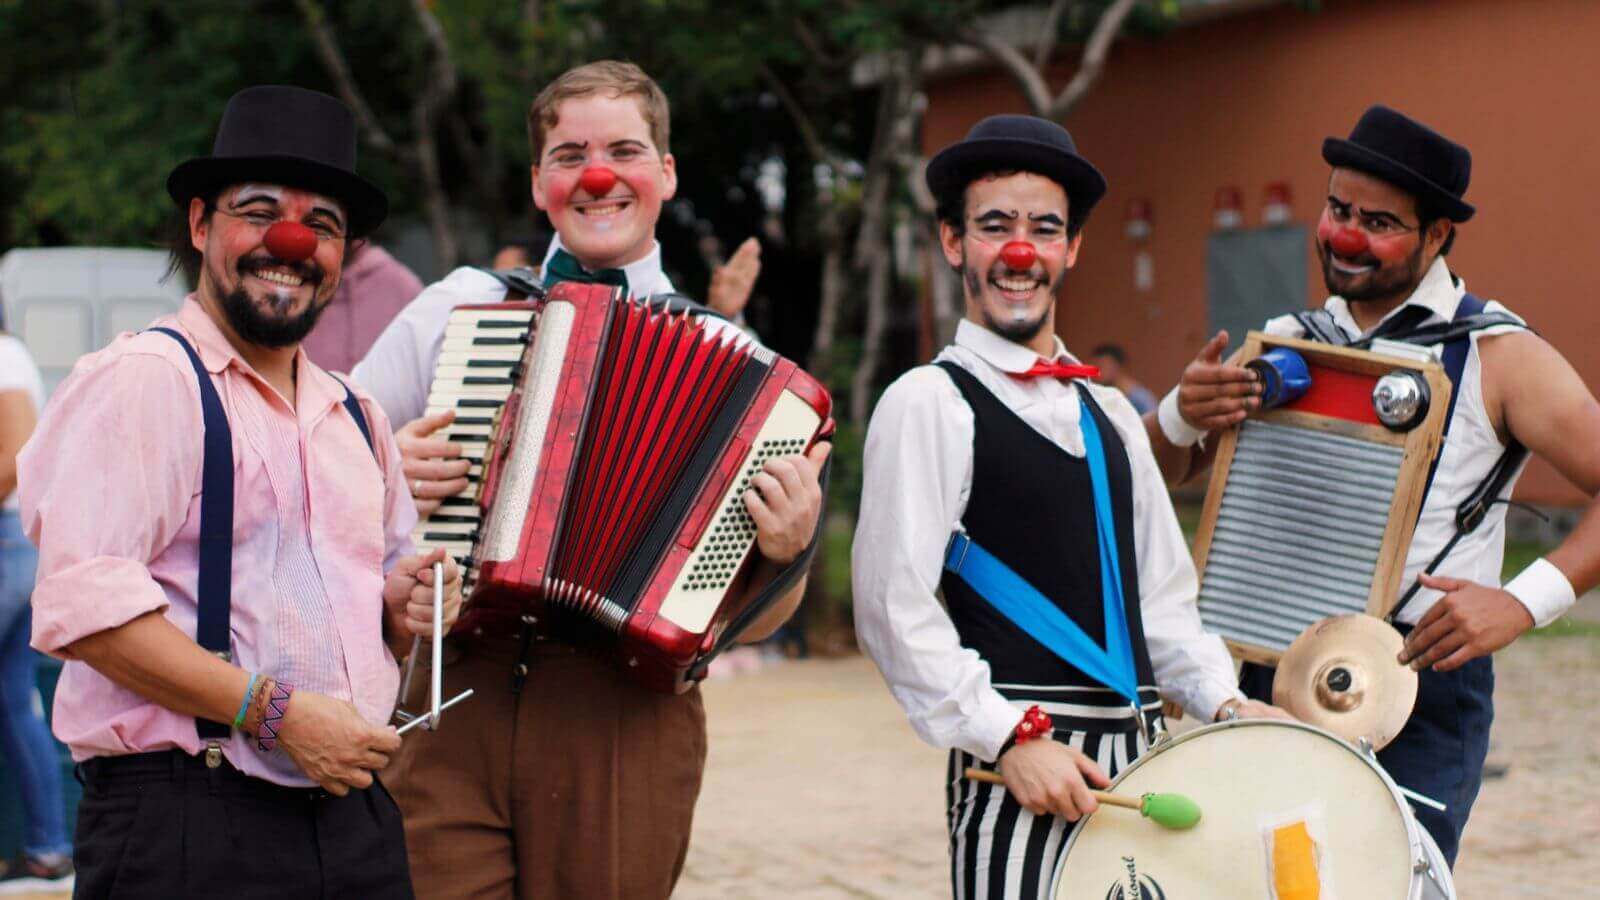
(1033, 612)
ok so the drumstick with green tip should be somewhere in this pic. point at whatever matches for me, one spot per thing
(1174, 811)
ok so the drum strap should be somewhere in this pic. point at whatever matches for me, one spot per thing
(1030, 610)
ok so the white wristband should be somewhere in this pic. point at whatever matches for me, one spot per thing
(1543, 590)
(1179, 432)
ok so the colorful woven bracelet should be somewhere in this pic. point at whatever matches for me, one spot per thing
(244, 705)
(277, 705)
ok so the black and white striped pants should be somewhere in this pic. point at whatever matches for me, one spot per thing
(1000, 851)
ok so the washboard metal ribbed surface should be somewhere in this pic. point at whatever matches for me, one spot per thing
(1312, 505)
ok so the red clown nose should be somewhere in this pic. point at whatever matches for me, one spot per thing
(1019, 255)
(1348, 242)
(290, 241)
(597, 180)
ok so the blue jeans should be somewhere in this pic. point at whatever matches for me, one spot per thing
(32, 753)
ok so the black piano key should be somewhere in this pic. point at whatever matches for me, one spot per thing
(479, 403)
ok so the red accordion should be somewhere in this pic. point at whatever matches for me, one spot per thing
(613, 470)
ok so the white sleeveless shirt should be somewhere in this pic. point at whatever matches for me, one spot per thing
(1470, 450)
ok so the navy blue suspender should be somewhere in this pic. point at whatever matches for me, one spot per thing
(214, 584)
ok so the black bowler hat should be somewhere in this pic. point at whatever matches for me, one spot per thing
(1024, 144)
(289, 136)
(1408, 155)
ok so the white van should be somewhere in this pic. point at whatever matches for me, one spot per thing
(67, 301)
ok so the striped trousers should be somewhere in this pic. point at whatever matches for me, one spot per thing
(1000, 851)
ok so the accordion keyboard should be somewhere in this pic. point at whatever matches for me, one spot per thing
(474, 376)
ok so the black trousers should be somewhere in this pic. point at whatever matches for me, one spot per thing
(162, 825)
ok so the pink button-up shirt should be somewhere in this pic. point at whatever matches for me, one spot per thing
(110, 489)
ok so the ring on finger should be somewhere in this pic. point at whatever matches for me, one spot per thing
(416, 486)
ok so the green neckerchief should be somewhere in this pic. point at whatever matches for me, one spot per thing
(563, 266)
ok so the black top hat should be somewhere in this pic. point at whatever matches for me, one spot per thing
(1024, 144)
(1408, 155)
(288, 136)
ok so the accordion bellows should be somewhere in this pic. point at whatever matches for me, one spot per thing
(611, 495)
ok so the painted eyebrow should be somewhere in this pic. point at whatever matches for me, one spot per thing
(1373, 213)
(330, 213)
(993, 214)
(1381, 214)
(1047, 219)
(567, 145)
(254, 198)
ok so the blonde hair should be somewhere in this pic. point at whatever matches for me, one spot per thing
(619, 79)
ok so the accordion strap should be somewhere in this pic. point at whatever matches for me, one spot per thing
(780, 585)
(520, 283)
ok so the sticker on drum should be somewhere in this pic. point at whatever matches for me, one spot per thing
(1242, 774)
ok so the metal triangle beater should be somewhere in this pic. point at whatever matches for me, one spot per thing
(430, 719)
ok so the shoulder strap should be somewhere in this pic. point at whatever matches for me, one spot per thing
(1472, 511)
(1319, 326)
(215, 576)
(353, 407)
(520, 283)
(677, 303)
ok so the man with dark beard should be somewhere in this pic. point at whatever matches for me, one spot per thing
(1005, 456)
(1395, 199)
(225, 563)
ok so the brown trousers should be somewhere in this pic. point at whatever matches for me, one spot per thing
(582, 785)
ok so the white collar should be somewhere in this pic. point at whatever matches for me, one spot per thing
(1438, 292)
(644, 272)
(1002, 353)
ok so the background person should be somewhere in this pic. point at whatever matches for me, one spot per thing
(44, 862)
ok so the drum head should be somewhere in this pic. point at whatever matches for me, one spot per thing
(1245, 776)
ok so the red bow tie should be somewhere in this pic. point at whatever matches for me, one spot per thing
(1063, 371)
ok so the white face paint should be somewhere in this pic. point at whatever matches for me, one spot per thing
(276, 192)
(271, 192)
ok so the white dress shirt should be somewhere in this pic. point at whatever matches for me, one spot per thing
(916, 483)
(398, 370)
(1470, 451)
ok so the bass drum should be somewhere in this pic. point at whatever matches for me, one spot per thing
(1260, 785)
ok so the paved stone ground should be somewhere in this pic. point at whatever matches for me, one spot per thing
(817, 788)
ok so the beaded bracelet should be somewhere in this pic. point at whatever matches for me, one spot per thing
(277, 705)
(244, 705)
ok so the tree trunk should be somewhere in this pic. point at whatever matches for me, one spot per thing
(895, 132)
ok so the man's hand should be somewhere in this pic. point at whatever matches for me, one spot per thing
(732, 282)
(408, 595)
(785, 500)
(1048, 777)
(432, 465)
(1212, 394)
(1469, 621)
(332, 744)
(1254, 709)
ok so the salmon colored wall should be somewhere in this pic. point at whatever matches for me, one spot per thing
(1247, 100)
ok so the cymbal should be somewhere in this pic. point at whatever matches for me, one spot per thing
(1341, 674)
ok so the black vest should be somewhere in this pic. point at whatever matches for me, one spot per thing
(1032, 506)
